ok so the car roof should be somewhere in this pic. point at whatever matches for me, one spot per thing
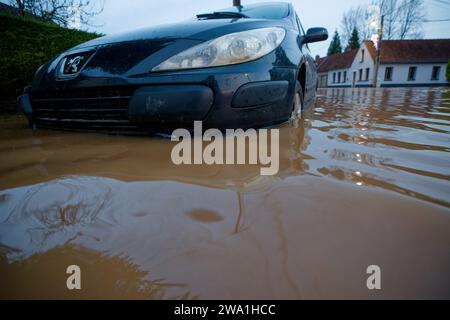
(262, 4)
(286, 6)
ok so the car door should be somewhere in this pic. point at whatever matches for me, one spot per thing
(311, 69)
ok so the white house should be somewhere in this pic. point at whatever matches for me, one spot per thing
(402, 63)
(363, 66)
(334, 70)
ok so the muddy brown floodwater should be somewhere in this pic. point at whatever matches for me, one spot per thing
(363, 180)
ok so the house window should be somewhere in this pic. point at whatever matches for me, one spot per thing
(367, 74)
(334, 77)
(412, 73)
(339, 76)
(345, 77)
(362, 55)
(360, 74)
(435, 73)
(388, 74)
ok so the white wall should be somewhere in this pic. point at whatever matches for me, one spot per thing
(358, 64)
(399, 75)
(343, 82)
(423, 74)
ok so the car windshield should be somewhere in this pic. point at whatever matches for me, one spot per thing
(268, 11)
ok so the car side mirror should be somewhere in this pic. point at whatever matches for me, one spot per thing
(315, 35)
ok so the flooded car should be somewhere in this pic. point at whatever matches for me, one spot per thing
(364, 180)
(241, 67)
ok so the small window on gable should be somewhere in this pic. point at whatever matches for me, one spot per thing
(362, 55)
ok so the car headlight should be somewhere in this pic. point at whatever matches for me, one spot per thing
(230, 49)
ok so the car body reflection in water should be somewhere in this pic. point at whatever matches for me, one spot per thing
(364, 179)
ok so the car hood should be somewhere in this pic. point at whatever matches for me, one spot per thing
(117, 58)
(191, 29)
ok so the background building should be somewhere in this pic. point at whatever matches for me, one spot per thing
(333, 71)
(403, 63)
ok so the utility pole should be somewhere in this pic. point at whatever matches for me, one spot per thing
(378, 57)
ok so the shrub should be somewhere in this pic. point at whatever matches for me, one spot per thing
(25, 44)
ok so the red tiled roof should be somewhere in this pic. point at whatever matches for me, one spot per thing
(4, 8)
(412, 51)
(7, 9)
(337, 61)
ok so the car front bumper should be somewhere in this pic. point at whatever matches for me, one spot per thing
(225, 97)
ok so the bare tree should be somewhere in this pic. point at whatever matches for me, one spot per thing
(389, 9)
(411, 16)
(20, 6)
(60, 11)
(402, 19)
(356, 18)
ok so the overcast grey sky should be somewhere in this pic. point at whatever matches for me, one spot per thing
(120, 15)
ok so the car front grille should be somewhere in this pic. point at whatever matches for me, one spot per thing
(98, 110)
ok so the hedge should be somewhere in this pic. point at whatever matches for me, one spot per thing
(25, 44)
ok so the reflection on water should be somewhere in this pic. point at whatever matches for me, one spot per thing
(393, 139)
(104, 277)
(364, 179)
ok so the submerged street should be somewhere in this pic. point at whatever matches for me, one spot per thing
(364, 179)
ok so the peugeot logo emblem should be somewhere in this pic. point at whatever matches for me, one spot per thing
(73, 64)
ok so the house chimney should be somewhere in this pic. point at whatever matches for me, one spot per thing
(236, 3)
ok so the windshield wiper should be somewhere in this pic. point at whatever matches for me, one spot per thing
(221, 15)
